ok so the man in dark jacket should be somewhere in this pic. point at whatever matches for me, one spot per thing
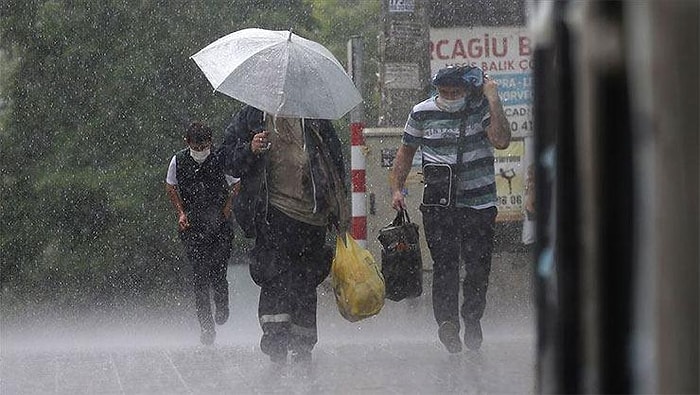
(292, 187)
(201, 195)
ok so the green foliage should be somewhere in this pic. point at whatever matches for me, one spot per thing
(94, 97)
(338, 21)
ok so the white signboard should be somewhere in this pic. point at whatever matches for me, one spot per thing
(503, 53)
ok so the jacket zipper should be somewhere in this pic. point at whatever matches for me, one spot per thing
(311, 173)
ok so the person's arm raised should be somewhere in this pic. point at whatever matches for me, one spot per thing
(498, 130)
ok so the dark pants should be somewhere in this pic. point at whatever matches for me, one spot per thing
(289, 261)
(452, 233)
(209, 256)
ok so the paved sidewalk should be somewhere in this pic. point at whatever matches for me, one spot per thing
(396, 352)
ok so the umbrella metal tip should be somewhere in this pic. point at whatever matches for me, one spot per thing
(290, 35)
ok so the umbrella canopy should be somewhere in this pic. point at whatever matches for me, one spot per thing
(280, 73)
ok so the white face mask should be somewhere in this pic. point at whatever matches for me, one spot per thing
(450, 105)
(200, 156)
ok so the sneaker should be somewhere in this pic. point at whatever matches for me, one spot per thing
(207, 337)
(472, 335)
(449, 336)
(221, 315)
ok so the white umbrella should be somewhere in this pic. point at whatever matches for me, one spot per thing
(280, 73)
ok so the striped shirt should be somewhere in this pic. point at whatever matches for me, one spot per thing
(437, 132)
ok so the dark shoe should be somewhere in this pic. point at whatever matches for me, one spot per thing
(221, 315)
(472, 335)
(276, 352)
(449, 336)
(207, 337)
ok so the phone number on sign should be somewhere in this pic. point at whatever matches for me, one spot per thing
(514, 200)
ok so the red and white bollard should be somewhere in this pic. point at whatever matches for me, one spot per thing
(358, 226)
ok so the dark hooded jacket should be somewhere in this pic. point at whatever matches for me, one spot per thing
(325, 152)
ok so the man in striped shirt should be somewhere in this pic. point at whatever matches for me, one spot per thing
(457, 131)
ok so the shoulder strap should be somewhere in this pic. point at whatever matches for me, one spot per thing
(460, 146)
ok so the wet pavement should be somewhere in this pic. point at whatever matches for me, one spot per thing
(396, 352)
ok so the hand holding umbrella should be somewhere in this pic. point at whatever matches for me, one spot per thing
(260, 144)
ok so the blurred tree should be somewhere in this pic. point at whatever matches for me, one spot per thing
(94, 97)
(338, 21)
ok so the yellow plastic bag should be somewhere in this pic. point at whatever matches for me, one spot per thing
(357, 281)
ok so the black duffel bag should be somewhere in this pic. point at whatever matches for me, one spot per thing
(402, 264)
